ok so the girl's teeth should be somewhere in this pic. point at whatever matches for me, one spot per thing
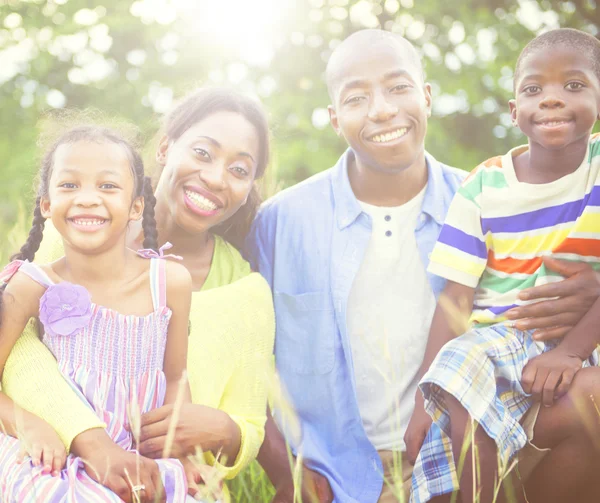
(390, 136)
(202, 202)
(89, 222)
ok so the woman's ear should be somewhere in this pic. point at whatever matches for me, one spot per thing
(162, 150)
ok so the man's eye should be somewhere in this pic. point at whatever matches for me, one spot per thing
(574, 86)
(531, 89)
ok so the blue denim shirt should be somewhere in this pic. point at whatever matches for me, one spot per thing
(308, 242)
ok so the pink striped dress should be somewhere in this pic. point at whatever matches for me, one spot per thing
(113, 362)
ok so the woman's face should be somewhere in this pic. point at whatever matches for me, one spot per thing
(208, 171)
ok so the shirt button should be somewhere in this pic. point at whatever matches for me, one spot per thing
(387, 218)
(388, 233)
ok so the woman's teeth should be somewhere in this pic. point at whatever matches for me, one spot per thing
(87, 221)
(382, 138)
(202, 202)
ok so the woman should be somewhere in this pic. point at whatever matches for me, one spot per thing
(215, 146)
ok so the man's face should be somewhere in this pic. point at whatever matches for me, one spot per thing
(381, 106)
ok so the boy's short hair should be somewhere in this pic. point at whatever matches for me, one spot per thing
(576, 39)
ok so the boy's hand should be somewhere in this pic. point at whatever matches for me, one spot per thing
(548, 376)
(417, 429)
(39, 440)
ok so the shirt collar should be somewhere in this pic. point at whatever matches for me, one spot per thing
(347, 207)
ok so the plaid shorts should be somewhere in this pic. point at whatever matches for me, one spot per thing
(482, 370)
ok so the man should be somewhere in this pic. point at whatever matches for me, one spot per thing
(345, 253)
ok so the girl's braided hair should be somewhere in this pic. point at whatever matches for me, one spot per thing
(142, 186)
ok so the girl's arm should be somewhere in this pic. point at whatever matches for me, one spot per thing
(179, 299)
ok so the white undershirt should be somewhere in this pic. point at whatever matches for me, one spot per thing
(390, 309)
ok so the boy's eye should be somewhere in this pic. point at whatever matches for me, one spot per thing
(531, 89)
(202, 153)
(574, 86)
(400, 87)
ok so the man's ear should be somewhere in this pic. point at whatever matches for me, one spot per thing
(162, 150)
(137, 209)
(512, 106)
(45, 207)
(333, 120)
(428, 98)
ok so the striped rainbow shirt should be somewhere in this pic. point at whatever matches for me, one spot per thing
(498, 229)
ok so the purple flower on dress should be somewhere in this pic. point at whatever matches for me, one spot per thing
(65, 309)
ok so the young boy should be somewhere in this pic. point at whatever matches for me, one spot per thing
(538, 200)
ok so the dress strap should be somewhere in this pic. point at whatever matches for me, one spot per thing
(32, 270)
(158, 283)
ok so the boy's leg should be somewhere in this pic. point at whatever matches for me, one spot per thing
(571, 428)
(477, 483)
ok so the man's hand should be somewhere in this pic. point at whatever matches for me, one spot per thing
(575, 295)
(548, 376)
(417, 429)
(315, 489)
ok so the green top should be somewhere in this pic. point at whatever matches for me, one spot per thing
(227, 266)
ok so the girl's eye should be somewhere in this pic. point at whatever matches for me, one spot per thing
(353, 99)
(68, 185)
(574, 86)
(108, 186)
(240, 170)
(531, 89)
(202, 153)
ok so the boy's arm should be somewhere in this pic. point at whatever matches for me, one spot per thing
(179, 299)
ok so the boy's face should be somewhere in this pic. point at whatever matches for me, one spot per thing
(381, 106)
(557, 97)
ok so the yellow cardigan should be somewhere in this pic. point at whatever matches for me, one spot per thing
(229, 356)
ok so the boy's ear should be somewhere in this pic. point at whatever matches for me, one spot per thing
(137, 209)
(428, 98)
(334, 120)
(162, 150)
(512, 106)
(45, 207)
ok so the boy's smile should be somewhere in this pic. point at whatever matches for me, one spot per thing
(557, 97)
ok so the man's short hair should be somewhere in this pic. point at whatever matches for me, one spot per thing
(575, 39)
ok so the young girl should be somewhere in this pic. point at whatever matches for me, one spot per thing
(117, 327)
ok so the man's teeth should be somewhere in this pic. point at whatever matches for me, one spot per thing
(201, 201)
(382, 138)
(553, 123)
(87, 221)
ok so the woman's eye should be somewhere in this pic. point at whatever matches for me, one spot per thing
(202, 153)
(240, 170)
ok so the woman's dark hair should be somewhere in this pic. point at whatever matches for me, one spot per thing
(98, 134)
(203, 103)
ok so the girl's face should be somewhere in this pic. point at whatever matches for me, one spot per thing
(90, 195)
(208, 171)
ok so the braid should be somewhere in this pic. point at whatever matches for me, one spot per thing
(148, 220)
(31, 246)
